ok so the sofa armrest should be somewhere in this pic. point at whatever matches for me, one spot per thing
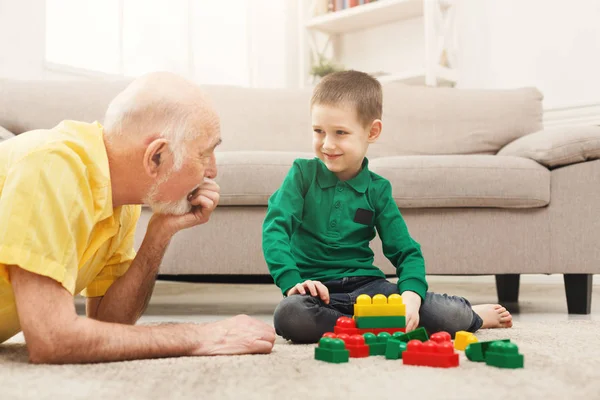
(556, 147)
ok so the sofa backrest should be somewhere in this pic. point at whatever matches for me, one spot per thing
(417, 120)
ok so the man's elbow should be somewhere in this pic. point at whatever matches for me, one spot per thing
(58, 347)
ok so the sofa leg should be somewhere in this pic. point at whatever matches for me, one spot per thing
(578, 288)
(507, 286)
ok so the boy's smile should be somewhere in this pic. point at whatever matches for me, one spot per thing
(340, 140)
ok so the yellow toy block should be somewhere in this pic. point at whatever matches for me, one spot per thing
(463, 339)
(379, 306)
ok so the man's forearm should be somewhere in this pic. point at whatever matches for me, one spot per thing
(127, 298)
(88, 341)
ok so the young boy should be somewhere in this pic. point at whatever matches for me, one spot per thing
(320, 221)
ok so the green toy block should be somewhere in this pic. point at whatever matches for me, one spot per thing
(504, 355)
(476, 351)
(377, 344)
(394, 349)
(332, 350)
(380, 322)
(418, 334)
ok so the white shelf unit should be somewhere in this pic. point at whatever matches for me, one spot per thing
(438, 17)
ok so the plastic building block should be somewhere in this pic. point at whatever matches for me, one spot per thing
(377, 343)
(377, 331)
(462, 339)
(380, 322)
(345, 325)
(379, 306)
(476, 351)
(504, 355)
(356, 346)
(331, 350)
(418, 334)
(430, 354)
(441, 337)
(394, 349)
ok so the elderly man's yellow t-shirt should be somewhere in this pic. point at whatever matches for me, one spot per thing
(56, 214)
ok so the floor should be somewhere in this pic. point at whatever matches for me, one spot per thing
(542, 298)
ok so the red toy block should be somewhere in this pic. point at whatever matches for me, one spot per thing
(356, 345)
(346, 325)
(441, 337)
(430, 354)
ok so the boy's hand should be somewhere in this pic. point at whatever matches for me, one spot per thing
(412, 301)
(315, 288)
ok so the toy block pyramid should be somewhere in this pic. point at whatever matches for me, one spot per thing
(380, 313)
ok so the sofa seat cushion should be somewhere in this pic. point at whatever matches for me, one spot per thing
(465, 181)
(249, 178)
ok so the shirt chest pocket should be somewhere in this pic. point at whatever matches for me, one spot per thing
(363, 216)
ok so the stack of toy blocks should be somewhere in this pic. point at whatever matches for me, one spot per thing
(436, 352)
(497, 353)
(331, 350)
(380, 314)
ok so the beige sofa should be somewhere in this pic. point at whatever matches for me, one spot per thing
(482, 186)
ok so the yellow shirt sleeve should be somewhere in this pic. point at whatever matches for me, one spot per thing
(121, 260)
(46, 214)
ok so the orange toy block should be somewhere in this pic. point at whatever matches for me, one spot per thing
(379, 306)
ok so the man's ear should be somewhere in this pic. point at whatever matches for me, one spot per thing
(154, 157)
(375, 130)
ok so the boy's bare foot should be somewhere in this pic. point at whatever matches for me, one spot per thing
(493, 316)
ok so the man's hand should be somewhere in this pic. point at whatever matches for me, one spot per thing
(412, 301)
(204, 200)
(315, 288)
(238, 335)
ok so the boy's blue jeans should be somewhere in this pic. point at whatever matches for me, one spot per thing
(304, 319)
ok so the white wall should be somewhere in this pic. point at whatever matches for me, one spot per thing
(270, 57)
(22, 29)
(553, 45)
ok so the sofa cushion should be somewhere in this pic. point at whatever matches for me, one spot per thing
(428, 121)
(465, 181)
(250, 177)
(556, 147)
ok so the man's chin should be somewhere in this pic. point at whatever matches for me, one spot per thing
(176, 208)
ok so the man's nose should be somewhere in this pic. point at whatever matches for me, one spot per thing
(211, 171)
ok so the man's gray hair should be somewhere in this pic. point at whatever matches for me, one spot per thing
(161, 104)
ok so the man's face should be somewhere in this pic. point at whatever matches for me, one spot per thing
(339, 139)
(171, 194)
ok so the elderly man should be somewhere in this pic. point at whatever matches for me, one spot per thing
(69, 202)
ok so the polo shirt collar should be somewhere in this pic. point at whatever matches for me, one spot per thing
(360, 183)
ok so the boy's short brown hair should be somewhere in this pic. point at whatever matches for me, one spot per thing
(351, 87)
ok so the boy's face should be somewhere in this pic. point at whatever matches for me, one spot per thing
(340, 140)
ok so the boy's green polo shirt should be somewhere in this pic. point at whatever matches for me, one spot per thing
(318, 227)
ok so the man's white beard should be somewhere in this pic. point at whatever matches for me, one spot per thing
(178, 207)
